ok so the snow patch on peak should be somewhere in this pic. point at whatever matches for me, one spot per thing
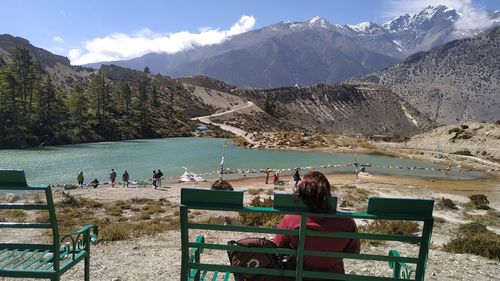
(318, 22)
(364, 27)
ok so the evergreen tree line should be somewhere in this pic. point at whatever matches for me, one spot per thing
(34, 112)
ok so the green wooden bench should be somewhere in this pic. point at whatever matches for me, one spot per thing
(378, 209)
(47, 261)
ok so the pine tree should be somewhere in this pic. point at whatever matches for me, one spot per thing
(78, 106)
(50, 113)
(23, 70)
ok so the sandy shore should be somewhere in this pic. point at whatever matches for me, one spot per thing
(158, 257)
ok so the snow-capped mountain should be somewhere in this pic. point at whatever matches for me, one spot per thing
(312, 51)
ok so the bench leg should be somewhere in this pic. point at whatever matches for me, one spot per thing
(87, 268)
(55, 278)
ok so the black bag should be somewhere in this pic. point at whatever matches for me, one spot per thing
(262, 260)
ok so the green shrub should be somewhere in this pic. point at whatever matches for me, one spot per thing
(113, 210)
(260, 219)
(69, 200)
(115, 232)
(480, 201)
(446, 203)
(153, 208)
(222, 185)
(123, 205)
(475, 238)
(90, 203)
(390, 227)
(255, 191)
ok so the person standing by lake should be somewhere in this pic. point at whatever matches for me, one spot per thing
(112, 177)
(267, 175)
(296, 177)
(159, 175)
(154, 178)
(125, 178)
(80, 179)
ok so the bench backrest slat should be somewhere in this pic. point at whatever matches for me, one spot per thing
(397, 209)
(398, 206)
(12, 179)
(15, 180)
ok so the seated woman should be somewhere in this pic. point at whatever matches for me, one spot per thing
(314, 190)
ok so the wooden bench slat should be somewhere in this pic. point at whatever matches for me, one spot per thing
(43, 262)
(27, 246)
(13, 258)
(32, 254)
(9, 255)
(226, 247)
(21, 206)
(203, 275)
(370, 236)
(346, 277)
(25, 267)
(230, 269)
(253, 229)
(343, 255)
(24, 225)
(400, 206)
(27, 274)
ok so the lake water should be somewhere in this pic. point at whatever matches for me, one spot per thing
(60, 164)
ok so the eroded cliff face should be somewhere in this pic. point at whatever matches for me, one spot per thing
(456, 82)
(362, 109)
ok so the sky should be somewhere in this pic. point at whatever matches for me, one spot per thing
(102, 30)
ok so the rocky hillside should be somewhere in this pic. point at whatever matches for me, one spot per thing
(60, 69)
(459, 81)
(343, 109)
(475, 139)
(310, 52)
(139, 104)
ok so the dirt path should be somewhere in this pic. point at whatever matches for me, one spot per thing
(234, 130)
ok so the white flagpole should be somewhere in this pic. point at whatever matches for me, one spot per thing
(222, 160)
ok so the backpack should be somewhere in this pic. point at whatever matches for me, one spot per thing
(262, 260)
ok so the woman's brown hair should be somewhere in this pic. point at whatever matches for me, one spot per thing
(314, 190)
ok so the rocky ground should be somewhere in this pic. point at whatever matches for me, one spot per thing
(157, 257)
(480, 140)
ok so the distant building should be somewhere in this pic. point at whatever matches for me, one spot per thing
(201, 128)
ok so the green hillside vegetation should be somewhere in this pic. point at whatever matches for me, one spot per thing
(34, 111)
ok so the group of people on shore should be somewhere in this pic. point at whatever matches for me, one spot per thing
(276, 176)
(157, 176)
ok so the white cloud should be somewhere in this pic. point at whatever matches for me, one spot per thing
(120, 46)
(57, 39)
(471, 18)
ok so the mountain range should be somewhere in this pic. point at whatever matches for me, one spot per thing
(456, 82)
(343, 109)
(310, 52)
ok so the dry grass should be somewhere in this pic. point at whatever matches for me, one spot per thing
(475, 238)
(118, 220)
(255, 191)
(388, 227)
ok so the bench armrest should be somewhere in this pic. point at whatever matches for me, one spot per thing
(194, 257)
(78, 240)
(401, 270)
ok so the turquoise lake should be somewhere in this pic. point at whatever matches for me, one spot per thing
(60, 164)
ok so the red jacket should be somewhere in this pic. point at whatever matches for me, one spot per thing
(320, 243)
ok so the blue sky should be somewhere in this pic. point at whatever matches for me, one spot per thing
(94, 30)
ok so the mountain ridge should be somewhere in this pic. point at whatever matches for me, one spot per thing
(259, 58)
(455, 82)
